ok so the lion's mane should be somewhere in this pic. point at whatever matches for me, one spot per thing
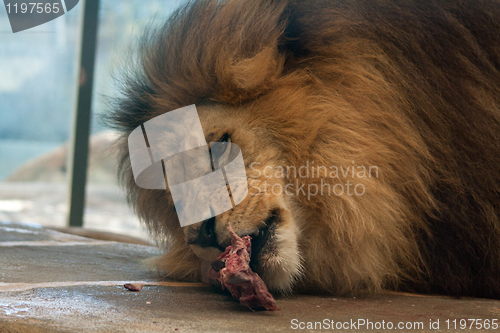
(412, 87)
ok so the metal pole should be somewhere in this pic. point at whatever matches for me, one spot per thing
(79, 144)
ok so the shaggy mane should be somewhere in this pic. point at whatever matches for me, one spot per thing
(411, 87)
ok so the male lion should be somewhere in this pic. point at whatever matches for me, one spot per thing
(392, 108)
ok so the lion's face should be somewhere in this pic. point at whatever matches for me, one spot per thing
(266, 215)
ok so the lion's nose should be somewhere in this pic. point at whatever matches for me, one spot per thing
(203, 234)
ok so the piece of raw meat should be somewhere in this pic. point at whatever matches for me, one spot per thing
(233, 271)
(134, 286)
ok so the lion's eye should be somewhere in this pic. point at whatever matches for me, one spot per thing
(220, 151)
(219, 148)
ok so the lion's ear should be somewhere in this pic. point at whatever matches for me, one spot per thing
(249, 59)
(249, 77)
(253, 72)
(225, 50)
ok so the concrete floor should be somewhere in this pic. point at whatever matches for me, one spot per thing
(55, 282)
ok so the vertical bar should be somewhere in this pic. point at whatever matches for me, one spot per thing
(79, 143)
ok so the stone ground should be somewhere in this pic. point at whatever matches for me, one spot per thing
(56, 282)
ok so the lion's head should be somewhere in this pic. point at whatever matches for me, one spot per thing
(299, 85)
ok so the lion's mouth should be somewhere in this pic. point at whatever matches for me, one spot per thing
(263, 241)
(274, 253)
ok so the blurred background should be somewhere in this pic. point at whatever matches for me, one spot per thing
(38, 85)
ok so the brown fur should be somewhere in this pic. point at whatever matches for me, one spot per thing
(410, 87)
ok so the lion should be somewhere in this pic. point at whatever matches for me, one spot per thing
(392, 107)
